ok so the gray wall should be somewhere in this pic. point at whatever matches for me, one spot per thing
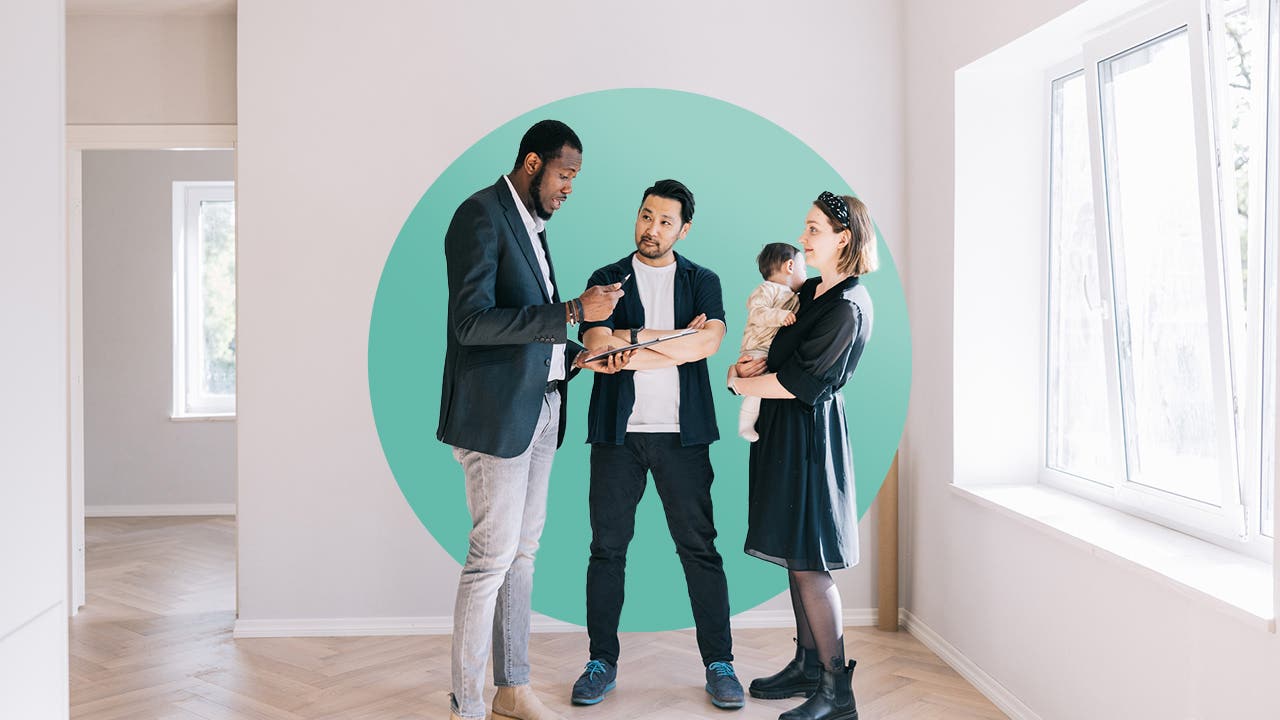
(134, 454)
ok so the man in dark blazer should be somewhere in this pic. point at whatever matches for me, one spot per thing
(502, 406)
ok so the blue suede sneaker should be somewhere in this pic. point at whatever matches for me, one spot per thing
(723, 686)
(599, 677)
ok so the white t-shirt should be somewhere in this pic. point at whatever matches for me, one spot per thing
(535, 225)
(657, 406)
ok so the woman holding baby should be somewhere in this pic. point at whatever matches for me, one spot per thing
(802, 511)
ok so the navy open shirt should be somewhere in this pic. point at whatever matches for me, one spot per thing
(697, 291)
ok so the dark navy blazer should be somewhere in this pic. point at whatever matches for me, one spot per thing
(501, 329)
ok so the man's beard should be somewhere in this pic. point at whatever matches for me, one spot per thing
(653, 253)
(535, 189)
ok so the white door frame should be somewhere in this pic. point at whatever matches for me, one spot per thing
(79, 139)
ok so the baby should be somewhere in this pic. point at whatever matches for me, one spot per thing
(770, 306)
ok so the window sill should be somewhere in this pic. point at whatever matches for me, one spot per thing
(1234, 583)
(202, 418)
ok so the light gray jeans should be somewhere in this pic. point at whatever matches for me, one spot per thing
(508, 502)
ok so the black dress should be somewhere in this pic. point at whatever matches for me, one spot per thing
(802, 510)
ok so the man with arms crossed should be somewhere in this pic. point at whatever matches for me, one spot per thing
(656, 416)
(507, 361)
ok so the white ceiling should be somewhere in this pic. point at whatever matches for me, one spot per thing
(151, 7)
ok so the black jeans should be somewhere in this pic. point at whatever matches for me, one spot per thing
(682, 477)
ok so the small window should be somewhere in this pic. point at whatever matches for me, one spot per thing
(204, 299)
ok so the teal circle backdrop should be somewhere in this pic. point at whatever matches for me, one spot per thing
(753, 182)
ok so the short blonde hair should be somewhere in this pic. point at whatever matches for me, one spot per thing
(859, 257)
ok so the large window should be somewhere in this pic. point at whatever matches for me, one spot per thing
(204, 299)
(1162, 290)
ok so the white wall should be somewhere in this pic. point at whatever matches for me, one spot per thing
(134, 454)
(1068, 632)
(33, 364)
(139, 69)
(340, 107)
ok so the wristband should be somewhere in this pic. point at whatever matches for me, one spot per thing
(582, 314)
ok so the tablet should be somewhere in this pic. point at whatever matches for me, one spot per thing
(637, 346)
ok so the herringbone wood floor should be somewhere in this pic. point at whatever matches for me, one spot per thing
(154, 643)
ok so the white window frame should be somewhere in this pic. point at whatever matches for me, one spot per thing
(1248, 368)
(1096, 488)
(188, 349)
(1242, 467)
(1228, 519)
(1269, 189)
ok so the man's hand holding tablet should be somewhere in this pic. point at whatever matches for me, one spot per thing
(603, 354)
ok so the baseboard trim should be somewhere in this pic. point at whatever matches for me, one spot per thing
(443, 624)
(998, 694)
(768, 619)
(343, 627)
(159, 510)
(375, 626)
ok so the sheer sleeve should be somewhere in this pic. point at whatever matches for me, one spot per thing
(819, 360)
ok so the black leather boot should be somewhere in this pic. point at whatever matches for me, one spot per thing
(832, 701)
(799, 677)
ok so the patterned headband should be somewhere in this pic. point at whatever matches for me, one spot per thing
(837, 206)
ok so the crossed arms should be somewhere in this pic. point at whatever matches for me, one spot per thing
(671, 353)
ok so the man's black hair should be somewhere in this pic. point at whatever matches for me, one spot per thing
(773, 256)
(546, 139)
(673, 190)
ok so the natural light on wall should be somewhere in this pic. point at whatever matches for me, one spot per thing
(1115, 288)
(204, 297)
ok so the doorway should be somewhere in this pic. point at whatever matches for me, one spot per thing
(151, 323)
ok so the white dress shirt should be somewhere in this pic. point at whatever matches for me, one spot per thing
(534, 226)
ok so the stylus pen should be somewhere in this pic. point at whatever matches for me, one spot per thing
(625, 279)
